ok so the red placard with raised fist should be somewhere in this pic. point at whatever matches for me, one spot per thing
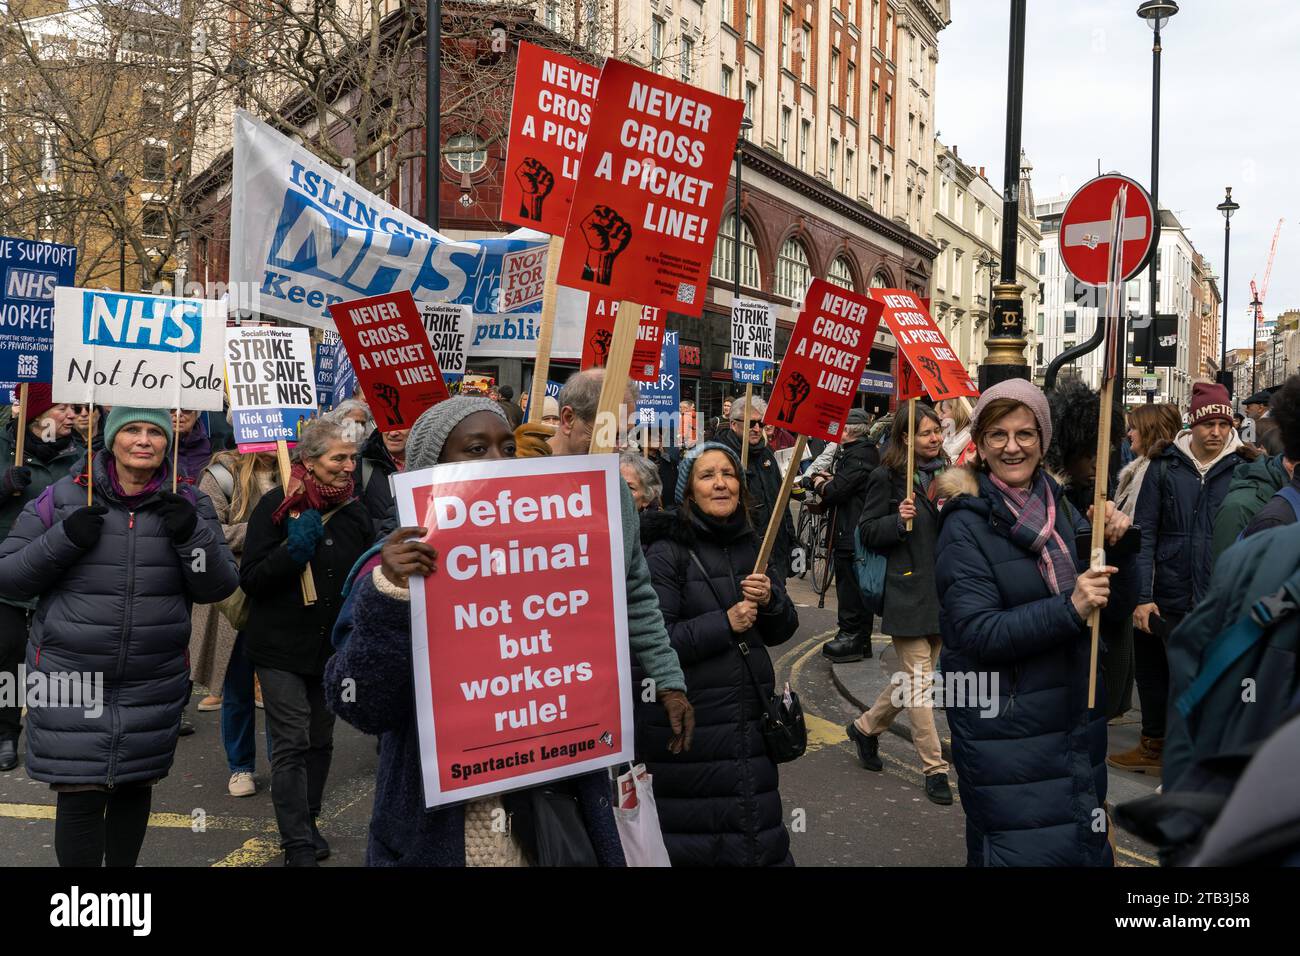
(599, 335)
(650, 190)
(823, 363)
(923, 348)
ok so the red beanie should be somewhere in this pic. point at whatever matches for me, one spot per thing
(40, 399)
(1210, 401)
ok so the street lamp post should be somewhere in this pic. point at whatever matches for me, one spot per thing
(1227, 207)
(1255, 305)
(1272, 371)
(1004, 357)
(1156, 13)
(432, 110)
(120, 181)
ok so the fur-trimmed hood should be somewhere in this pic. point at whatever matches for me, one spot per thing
(957, 481)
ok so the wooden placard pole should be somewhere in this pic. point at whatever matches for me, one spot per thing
(176, 446)
(307, 582)
(21, 434)
(1097, 559)
(744, 435)
(546, 333)
(911, 454)
(614, 387)
(90, 455)
(782, 502)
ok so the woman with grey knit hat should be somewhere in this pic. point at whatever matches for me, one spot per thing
(1016, 597)
(114, 582)
(368, 684)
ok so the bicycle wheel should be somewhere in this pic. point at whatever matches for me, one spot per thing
(803, 539)
(823, 563)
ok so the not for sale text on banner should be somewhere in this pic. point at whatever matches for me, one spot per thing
(650, 190)
(392, 358)
(519, 638)
(823, 363)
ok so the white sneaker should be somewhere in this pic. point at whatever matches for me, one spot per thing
(242, 784)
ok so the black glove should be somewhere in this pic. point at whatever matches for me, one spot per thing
(84, 526)
(178, 515)
(13, 481)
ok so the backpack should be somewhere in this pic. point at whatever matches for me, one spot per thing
(1261, 645)
(869, 569)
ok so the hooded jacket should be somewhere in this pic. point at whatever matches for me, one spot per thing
(1031, 757)
(1253, 484)
(1176, 511)
(121, 609)
(718, 802)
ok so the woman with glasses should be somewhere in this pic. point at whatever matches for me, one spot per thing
(1016, 598)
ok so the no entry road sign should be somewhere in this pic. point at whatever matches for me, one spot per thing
(1085, 235)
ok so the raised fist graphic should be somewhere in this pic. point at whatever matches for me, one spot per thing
(793, 393)
(388, 396)
(600, 342)
(607, 234)
(537, 182)
(933, 367)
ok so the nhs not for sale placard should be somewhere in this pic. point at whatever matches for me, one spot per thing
(519, 638)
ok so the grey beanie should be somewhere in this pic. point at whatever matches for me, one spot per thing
(693, 455)
(430, 431)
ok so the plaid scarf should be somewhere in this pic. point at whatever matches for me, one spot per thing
(1034, 509)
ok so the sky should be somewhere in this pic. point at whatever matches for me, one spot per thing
(1230, 81)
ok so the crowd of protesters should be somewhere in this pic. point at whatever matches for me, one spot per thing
(165, 560)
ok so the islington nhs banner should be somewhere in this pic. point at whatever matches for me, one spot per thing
(304, 237)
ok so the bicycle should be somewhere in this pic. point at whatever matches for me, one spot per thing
(813, 537)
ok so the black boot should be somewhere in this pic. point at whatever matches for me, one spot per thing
(868, 746)
(8, 753)
(318, 841)
(937, 789)
(846, 648)
(300, 858)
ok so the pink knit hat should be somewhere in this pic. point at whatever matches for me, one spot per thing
(1022, 391)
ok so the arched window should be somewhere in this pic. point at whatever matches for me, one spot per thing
(724, 253)
(880, 281)
(466, 153)
(792, 272)
(840, 274)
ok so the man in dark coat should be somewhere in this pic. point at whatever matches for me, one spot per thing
(763, 479)
(845, 490)
(1181, 494)
(377, 463)
(1266, 427)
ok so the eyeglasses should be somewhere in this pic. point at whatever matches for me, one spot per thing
(1025, 438)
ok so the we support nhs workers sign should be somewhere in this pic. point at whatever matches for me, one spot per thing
(153, 351)
(304, 236)
(29, 273)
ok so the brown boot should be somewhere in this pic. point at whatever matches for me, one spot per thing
(1144, 758)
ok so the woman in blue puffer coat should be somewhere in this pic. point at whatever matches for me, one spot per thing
(1015, 603)
(114, 584)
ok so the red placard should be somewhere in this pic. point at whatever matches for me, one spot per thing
(554, 96)
(389, 349)
(1085, 232)
(923, 349)
(823, 363)
(650, 190)
(519, 640)
(599, 334)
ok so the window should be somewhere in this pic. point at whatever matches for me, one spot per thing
(840, 274)
(726, 11)
(957, 267)
(889, 118)
(1071, 324)
(751, 93)
(792, 273)
(153, 223)
(835, 78)
(749, 21)
(850, 88)
(726, 81)
(886, 194)
(880, 281)
(1041, 320)
(49, 156)
(688, 58)
(466, 153)
(724, 252)
(850, 172)
(785, 133)
(889, 36)
(786, 17)
(922, 147)
(911, 134)
(833, 162)
(871, 186)
(1040, 351)
(1042, 268)
(154, 165)
(657, 45)
(552, 14)
(805, 131)
(805, 56)
(875, 22)
(151, 107)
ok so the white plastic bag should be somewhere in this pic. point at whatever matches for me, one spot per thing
(637, 820)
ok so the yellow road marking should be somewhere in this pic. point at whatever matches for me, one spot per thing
(1138, 856)
(258, 851)
(169, 821)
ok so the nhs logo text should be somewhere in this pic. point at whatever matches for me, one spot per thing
(154, 322)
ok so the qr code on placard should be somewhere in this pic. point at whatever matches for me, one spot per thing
(686, 292)
(28, 365)
(833, 428)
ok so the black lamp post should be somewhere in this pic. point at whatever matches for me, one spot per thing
(746, 124)
(1255, 306)
(1227, 207)
(1272, 372)
(432, 110)
(1156, 13)
(121, 182)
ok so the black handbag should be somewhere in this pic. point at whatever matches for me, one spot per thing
(785, 733)
(547, 820)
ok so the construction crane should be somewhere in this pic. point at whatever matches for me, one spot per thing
(1257, 296)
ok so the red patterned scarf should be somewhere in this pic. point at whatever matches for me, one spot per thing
(306, 492)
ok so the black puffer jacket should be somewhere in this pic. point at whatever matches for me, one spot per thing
(718, 802)
(120, 609)
(846, 492)
(763, 479)
(282, 633)
(911, 597)
(373, 471)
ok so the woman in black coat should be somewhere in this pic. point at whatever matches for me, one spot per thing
(318, 524)
(911, 609)
(718, 802)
